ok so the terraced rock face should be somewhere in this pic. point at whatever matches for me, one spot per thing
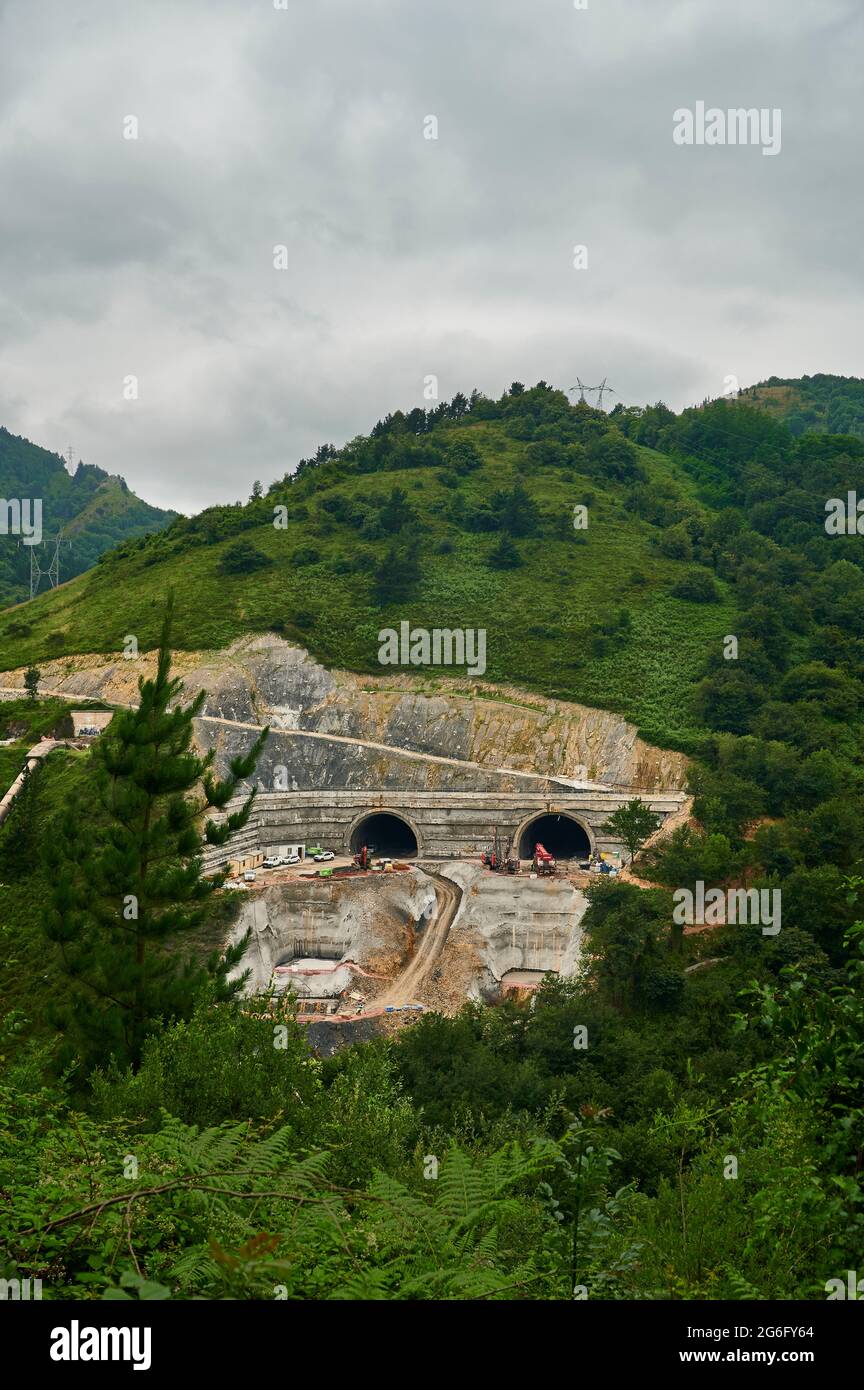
(264, 680)
(524, 924)
(366, 921)
(304, 934)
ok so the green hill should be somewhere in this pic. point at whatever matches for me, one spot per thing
(463, 517)
(92, 508)
(706, 599)
(834, 404)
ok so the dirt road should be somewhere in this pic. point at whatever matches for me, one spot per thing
(407, 985)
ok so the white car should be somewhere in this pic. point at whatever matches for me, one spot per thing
(290, 859)
(324, 856)
(271, 862)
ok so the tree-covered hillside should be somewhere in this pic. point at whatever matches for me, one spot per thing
(681, 1121)
(93, 509)
(834, 404)
(698, 526)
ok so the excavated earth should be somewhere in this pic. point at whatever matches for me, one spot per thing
(353, 938)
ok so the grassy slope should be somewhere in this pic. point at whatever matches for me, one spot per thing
(28, 721)
(538, 618)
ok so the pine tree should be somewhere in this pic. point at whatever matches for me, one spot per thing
(127, 880)
(32, 677)
(504, 556)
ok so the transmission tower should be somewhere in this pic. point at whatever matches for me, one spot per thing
(53, 570)
(600, 389)
(582, 388)
(70, 458)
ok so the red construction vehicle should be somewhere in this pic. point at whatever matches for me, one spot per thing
(544, 862)
(363, 857)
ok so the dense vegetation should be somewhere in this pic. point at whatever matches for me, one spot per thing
(93, 509)
(684, 1120)
(468, 523)
(822, 402)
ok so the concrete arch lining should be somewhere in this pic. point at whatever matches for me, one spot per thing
(351, 845)
(537, 816)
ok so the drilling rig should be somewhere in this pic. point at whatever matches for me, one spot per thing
(498, 861)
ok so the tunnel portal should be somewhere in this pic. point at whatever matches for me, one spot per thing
(385, 834)
(562, 836)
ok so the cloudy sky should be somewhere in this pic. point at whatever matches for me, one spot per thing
(303, 127)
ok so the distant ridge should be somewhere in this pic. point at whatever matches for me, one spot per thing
(93, 508)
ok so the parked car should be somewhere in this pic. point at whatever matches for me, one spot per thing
(271, 862)
(249, 876)
(290, 859)
(323, 856)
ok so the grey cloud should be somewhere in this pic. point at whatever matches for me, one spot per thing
(406, 256)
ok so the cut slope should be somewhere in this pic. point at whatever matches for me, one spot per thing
(413, 533)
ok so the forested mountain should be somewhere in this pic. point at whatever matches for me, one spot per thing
(92, 508)
(706, 600)
(464, 515)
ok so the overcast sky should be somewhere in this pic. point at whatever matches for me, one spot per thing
(407, 256)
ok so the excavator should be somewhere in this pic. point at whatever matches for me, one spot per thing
(544, 862)
(363, 857)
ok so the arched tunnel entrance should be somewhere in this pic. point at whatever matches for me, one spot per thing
(385, 834)
(561, 835)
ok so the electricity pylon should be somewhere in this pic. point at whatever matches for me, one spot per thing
(600, 389)
(53, 570)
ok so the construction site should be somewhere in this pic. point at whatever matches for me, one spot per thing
(377, 938)
(406, 850)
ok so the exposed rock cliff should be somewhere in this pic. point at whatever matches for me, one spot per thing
(263, 680)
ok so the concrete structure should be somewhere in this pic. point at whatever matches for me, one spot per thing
(440, 824)
(83, 719)
(31, 762)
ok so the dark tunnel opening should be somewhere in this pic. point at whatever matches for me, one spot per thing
(562, 836)
(386, 835)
